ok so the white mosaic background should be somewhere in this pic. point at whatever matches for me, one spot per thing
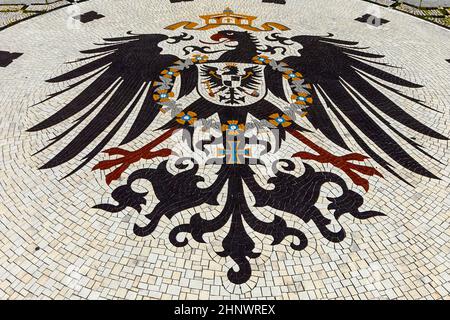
(87, 253)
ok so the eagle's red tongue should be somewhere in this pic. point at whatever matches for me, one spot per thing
(217, 37)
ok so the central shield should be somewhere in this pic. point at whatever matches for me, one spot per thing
(232, 84)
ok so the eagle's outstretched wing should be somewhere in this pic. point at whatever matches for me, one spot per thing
(125, 70)
(211, 77)
(252, 78)
(345, 76)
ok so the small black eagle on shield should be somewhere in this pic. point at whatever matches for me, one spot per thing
(232, 84)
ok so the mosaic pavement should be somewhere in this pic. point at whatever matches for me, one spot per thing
(269, 149)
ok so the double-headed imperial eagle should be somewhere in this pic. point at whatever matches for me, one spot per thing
(333, 84)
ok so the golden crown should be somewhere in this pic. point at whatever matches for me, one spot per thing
(231, 64)
(227, 18)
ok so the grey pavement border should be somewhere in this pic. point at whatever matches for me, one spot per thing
(396, 4)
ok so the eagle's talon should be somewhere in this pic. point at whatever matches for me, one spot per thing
(116, 151)
(115, 175)
(354, 157)
(352, 170)
(107, 164)
(129, 157)
(306, 156)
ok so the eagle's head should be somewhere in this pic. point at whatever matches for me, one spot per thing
(232, 36)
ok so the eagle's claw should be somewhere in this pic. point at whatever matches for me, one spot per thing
(117, 151)
(127, 159)
(352, 170)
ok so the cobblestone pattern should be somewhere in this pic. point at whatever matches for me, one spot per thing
(53, 245)
(14, 11)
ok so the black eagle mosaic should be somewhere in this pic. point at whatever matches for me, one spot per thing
(249, 86)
